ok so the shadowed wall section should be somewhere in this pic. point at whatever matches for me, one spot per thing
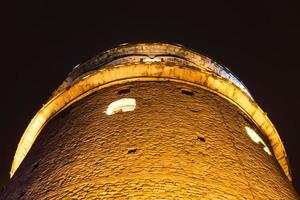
(180, 141)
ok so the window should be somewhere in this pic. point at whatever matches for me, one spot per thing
(121, 105)
(255, 137)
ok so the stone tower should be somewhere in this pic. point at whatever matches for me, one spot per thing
(150, 121)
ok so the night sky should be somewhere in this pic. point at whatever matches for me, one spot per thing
(43, 40)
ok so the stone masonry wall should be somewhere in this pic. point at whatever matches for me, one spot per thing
(181, 142)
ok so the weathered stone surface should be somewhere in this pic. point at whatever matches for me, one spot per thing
(174, 145)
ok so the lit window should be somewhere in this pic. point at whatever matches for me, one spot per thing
(255, 137)
(121, 105)
(152, 60)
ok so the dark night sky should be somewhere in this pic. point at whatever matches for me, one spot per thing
(43, 40)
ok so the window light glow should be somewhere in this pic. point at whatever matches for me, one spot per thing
(121, 105)
(152, 60)
(266, 149)
(255, 137)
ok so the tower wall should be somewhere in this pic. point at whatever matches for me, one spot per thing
(181, 141)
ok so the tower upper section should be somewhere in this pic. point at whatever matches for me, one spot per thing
(151, 62)
(168, 54)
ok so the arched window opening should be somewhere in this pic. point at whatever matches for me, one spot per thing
(257, 139)
(121, 105)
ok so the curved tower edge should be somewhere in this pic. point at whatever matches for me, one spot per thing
(153, 71)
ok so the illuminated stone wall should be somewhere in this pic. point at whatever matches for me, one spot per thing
(180, 142)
